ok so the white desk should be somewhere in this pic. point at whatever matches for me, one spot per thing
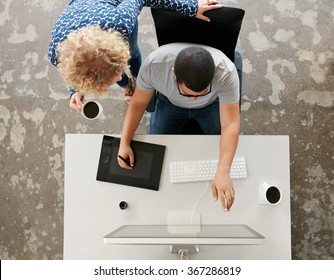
(92, 207)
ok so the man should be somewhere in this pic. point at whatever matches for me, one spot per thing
(192, 81)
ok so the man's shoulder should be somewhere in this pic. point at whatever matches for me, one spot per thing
(164, 53)
(179, 46)
(172, 49)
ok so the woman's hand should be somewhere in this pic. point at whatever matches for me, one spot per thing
(76, 101)
(206, 5)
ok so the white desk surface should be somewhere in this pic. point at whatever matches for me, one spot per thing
(92, 210)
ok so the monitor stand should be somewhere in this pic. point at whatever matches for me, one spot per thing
(189, 249)
(184, 250)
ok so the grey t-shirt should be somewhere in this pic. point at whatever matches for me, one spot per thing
(156, 74)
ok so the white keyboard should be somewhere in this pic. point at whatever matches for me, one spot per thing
(204, 170)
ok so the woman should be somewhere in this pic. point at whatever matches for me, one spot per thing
(94, 40)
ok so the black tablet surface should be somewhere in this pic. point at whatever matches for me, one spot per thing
(148, 164)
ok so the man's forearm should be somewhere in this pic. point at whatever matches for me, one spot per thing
(131, 122)
(230, 122)
(134, 114)
(228, 146)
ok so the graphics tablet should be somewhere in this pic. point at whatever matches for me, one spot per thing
(148, 164)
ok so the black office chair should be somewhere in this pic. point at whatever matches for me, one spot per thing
(221, 32)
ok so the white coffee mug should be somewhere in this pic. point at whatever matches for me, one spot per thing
(269, 194)
(91, 109)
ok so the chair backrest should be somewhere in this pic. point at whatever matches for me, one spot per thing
(221, 32)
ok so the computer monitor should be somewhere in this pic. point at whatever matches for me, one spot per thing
(227, 234)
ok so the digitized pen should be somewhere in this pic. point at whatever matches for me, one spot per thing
(127, 161)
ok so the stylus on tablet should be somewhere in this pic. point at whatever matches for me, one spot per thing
(127, 161)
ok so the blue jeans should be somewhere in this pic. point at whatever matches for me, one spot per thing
(135, 60)
(169, 119)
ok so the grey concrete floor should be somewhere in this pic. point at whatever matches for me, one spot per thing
(288, 88)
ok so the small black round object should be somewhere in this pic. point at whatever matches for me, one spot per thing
(123, 205)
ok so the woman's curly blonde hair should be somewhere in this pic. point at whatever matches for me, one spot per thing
(90, 57)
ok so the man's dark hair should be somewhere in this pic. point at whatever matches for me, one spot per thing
(194, 67)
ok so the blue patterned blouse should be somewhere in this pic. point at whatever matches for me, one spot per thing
(120, 15)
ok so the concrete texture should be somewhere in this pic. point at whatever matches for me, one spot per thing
(288, 88)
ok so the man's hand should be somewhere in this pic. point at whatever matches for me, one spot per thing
(222, 188)
(126, 157)
(76, 101)
(206, 5)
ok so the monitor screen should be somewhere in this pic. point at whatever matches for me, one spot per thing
(201, 235)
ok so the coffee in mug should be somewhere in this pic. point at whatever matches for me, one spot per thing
(269, 194)
(91, 109)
